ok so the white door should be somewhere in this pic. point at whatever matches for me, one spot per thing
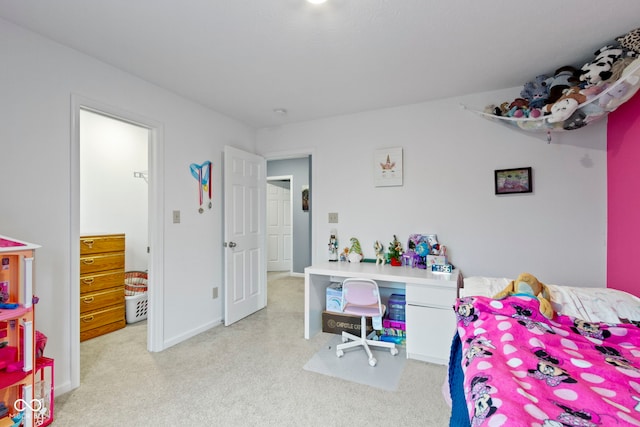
(279, 239)
(245, 273)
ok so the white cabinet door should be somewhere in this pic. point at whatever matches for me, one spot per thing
(430, 331)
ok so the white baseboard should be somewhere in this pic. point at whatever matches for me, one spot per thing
(190, 334)
(60, 389)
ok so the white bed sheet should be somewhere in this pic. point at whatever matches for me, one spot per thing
(590, 304)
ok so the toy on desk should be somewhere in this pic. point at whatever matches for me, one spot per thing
(344, 254)
(355, 252)
(411, 257)
(333, 246)
(395, 252)
(434, 246)
(443, 250)
(422, 249)
(377, 246)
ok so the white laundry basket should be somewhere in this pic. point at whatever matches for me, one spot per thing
(135, 291)
(136, 309)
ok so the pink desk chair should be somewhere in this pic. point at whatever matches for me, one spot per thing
(362, 298)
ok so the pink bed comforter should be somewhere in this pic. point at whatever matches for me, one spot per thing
(521, 369)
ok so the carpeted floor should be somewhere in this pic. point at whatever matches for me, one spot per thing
(247, 374)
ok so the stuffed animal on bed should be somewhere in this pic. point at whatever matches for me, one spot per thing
(528, 284)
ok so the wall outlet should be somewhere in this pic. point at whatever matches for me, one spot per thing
(176, 217)
(215, 292)
(333, 217)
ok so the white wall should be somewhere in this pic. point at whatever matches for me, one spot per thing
(557, 233)
(112, 200)
(37, 79)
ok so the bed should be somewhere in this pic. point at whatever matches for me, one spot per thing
(511, 366)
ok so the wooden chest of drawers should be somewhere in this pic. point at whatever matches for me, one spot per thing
(102, 303)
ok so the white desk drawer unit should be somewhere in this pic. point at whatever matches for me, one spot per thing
(430, 319)
(431, 296)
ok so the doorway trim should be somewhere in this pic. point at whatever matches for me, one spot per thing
(155, 321)
(288, 178)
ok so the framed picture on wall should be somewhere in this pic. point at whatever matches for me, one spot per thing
(515, 180)
(305, 198)
(387, 167)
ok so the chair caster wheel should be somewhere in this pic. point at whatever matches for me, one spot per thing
(339, 353)
(394, 351)
(373, 361)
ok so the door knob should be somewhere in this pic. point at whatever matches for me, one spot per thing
(232, 244)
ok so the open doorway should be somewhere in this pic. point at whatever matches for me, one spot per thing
(295, 172)
(149, 176)
(279, 224)
(114, 223)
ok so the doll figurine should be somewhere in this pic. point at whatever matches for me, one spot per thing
(355, 252)
(333, 247)
(434, 246)
(379, 253)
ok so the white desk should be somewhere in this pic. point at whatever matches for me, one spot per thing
(430, 319)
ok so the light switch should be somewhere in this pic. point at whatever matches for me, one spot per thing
(333, 217)
(176, 217)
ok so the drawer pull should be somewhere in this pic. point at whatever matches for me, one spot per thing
(89, 243)
(88, 261)
(87, 319)
(88, 300)
(88, 281)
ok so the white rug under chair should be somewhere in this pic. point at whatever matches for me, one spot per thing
(354, 366)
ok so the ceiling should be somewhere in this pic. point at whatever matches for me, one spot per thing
(245, 58)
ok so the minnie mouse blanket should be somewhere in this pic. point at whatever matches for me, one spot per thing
(521, 369)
